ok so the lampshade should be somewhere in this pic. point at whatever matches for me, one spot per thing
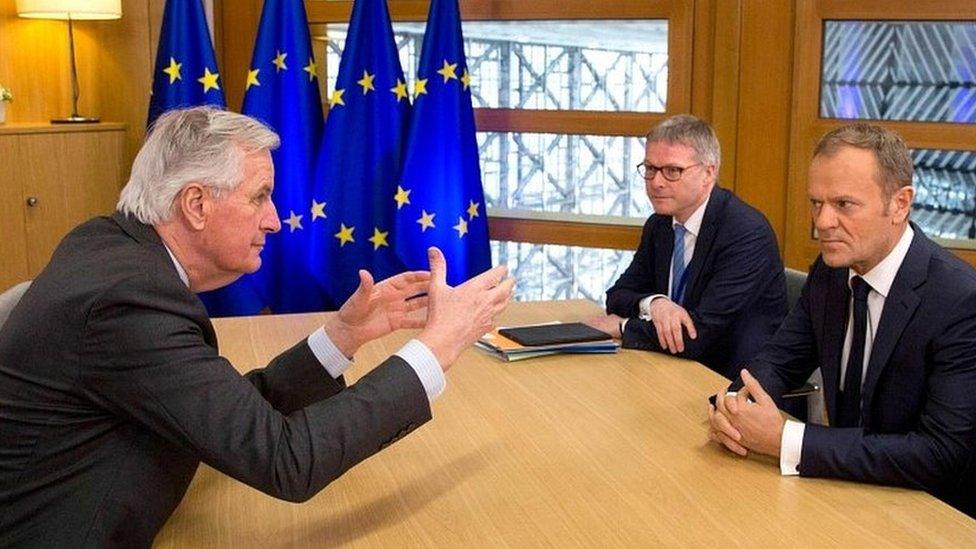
(78, 10)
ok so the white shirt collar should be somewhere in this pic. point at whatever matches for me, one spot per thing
(882, 276)
(179, 268)
(694, 223)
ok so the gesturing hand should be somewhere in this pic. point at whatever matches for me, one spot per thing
(458, 316)
(375, 310)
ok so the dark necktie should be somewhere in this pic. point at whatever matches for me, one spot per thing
(849, 412)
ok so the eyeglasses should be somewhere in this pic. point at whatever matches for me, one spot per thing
(671, 173)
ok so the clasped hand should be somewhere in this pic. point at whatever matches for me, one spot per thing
(744, 425)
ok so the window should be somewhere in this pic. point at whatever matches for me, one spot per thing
(899, 70)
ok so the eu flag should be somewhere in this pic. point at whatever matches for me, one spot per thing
(360, 158)
(185, 74)
(282, 92)
(441, 176)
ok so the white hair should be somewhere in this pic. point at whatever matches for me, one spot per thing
(206, 145)
(690, 131)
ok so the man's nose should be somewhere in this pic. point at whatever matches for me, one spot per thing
(270, 222)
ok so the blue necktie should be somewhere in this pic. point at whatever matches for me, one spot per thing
(678, 264)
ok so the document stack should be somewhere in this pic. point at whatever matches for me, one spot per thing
(521, 342)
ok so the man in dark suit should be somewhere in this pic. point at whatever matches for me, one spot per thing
(111, 386)
(707, 281)
(890, 317)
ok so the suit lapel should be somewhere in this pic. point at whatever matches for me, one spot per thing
(898, 309)
(663, 248)
(834, 328)
(705, 239)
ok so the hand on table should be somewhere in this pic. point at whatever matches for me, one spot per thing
(608, 323)
(669, 318)
(741, 425)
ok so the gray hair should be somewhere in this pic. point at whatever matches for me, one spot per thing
(199, 144)
(690, 131)
(895, 167)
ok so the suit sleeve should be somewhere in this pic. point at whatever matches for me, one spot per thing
(735, 281)
(294, 379)
(637, 282)
(935, 453)
(149, 363)
(788, 359)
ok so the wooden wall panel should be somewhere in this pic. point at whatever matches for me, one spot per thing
(763, 121)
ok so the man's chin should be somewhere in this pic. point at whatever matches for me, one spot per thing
(834, 260)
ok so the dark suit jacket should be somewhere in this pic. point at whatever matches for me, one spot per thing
(736, 289)
(112, 391)
(919, 396)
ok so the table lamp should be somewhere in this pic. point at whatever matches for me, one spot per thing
(72, 10)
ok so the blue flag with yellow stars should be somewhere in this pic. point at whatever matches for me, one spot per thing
(360, 158)
(185, 74)
(442, 200)
(282, 91)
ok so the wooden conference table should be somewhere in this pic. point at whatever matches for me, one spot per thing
(606, 450)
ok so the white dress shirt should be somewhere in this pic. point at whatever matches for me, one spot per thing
(415, 353)
(880, 279)
(692, 230)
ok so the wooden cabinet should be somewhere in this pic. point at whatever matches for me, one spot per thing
(53, 177)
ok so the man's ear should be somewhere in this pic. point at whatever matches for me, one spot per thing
(901, 201)
(194, 202)
(711, 173)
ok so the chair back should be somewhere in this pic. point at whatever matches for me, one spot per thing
(794, 285)
(10, 298)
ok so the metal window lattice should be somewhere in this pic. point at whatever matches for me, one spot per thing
(521, 75)
(547, 271)
(945, 193)
(899, 70)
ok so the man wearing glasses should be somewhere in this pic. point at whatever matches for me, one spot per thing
(706, 282)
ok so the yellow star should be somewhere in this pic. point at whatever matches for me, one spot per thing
(337, 98)
(252, 79)
(447, 71)
(473, 209)
(209, 80)
(420, 87)
(173, 70)
(426, 220)
(400, 90)
(461, 227)
(466, 79)
(401, 197)
(294, 221)
(366, 82)
(345, 234)
(279, 61)
(310, 69)
(379, 238)
(318, 210)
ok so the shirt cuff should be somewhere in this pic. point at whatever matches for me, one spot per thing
(425, 364)
(791, 447)
(645, 306)
(328, 355)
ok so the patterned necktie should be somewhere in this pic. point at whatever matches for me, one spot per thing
(849, 412)
(678, 264)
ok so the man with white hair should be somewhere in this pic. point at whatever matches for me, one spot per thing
(111, 386)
